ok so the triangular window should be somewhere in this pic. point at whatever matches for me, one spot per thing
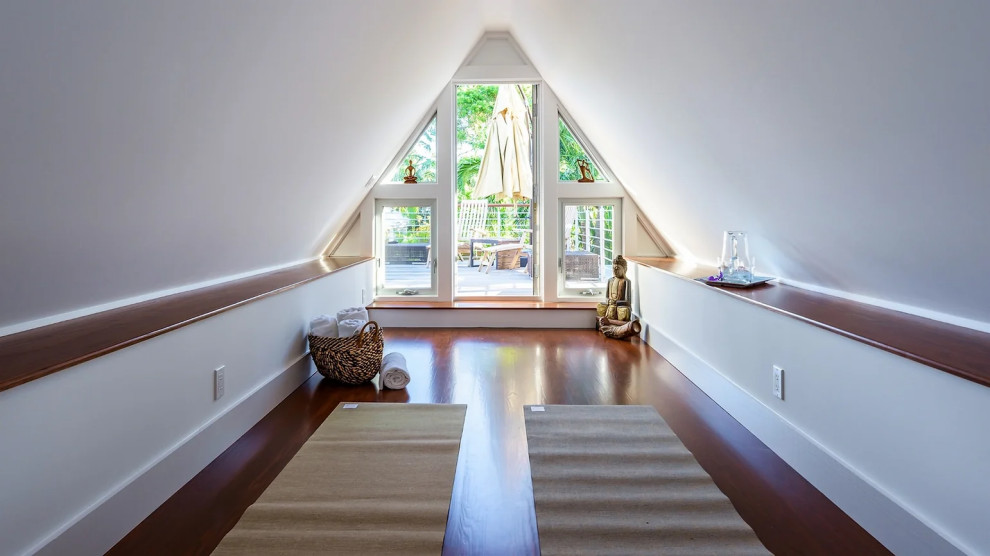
(571, 156)
(422, 155)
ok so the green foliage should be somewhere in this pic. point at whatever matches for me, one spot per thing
(570, 152)
(467, 173)
(408, 224)
(423, 155)
(475, 104)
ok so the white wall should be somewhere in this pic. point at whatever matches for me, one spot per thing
(88, 452)
(151, 145)
(901, 447)
(851, 139)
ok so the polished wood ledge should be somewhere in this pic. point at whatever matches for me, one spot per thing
(484, 304)
(960, 351)
(35, 353)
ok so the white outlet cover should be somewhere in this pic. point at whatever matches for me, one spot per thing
(219, 385)
(778, 382)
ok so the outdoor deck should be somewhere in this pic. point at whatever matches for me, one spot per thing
(469, 282)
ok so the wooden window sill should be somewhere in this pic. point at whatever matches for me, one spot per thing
(493, 304)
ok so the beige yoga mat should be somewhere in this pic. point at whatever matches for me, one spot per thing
(616, 480)
(373, 479)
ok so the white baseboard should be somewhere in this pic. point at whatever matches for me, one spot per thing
(890, 523)
(484, 318)
(102, 525)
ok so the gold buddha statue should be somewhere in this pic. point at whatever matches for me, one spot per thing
(616, 304)
(410, 176)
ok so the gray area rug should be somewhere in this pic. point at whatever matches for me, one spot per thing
(616, 480)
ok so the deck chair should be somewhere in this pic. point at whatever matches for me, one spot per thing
(471, 219)
(504, 255)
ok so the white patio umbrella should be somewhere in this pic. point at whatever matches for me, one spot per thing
(506, 170)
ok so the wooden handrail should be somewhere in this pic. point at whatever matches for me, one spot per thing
(39, 352)
(956, 350)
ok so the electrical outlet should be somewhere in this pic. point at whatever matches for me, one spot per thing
(364, 298)
(778, 382)
(218, 382)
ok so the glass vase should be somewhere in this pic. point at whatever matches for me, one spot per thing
(737, 265)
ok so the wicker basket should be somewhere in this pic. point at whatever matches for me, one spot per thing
(351, 360)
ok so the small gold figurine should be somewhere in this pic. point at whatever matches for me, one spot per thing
(616, 304)
(586, 175)
(410, 174)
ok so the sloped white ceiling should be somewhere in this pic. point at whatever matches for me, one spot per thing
(851, 139)
(149, 145)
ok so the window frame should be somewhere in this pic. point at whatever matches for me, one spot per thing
(582, 142)
(386, 177)
(572, 293)
(383, 292)
(536, 241)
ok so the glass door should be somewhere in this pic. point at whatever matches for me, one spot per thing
(496, 191)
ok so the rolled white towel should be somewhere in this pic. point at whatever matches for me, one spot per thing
(394, 373)
(321, 320)
(349, 327)
(328, 330)
(359, 313)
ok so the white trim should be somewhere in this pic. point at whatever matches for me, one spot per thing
(586, 145)
(28, 325)
(98, 527)
(864, 501)
(495, 74)
(340, 232)
(573, 294)
(381, 292)
(484, 318)
(338, 238)
(407, 147)
(892, 305)
(469, 72)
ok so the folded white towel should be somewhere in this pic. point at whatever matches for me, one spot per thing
(394, 373)
(349, 327)
(359, 313)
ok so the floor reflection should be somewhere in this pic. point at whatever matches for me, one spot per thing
(496, 372)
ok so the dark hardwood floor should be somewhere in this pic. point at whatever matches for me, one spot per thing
(496, 372)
